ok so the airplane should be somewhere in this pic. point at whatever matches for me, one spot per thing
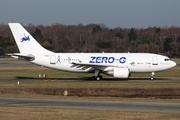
(118, 65)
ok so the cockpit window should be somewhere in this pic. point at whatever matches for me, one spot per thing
(167, 59)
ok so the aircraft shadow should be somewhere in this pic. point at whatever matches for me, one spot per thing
(88, 79)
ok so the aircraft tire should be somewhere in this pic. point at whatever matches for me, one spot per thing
(152, 78)
(98, 78)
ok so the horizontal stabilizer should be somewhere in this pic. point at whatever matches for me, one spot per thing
(28, 57)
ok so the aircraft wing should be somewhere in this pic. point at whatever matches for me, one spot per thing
(92, 66)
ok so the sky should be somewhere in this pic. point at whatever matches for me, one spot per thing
(112, 13)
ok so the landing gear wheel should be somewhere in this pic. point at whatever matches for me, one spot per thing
(98, 78)
(152, 76)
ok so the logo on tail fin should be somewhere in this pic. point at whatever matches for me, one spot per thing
(25, 38)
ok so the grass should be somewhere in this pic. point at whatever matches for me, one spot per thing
(29, 113)
(88, 84)
(8, 85)
(21, 113)
(171, 73)
(12, 72)
(177, 60)
(7, 72)
(11, 60)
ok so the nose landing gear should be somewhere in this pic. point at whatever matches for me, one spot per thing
(152, 76)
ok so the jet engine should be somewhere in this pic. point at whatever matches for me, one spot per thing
(119, 73)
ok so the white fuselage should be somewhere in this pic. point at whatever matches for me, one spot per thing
(135, 62)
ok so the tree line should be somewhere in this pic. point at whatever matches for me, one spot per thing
(98, 38)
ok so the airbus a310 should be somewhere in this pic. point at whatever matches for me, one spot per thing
(118, 65)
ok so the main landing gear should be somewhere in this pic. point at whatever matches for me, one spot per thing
(152, 76)
(97, 76)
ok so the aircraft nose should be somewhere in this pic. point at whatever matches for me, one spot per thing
(173, 64)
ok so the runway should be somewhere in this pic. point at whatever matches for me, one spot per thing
(89, 79)
(94, 105)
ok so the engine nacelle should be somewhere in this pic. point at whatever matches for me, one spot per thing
(119, 73)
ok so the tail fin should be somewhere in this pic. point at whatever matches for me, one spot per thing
(25, 42)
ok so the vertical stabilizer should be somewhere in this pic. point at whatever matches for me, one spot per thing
(25, 42)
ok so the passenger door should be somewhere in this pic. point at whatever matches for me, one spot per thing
(154, 60)
(53, 59)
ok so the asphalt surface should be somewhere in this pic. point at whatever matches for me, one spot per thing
(93, 105)
(89, 79)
